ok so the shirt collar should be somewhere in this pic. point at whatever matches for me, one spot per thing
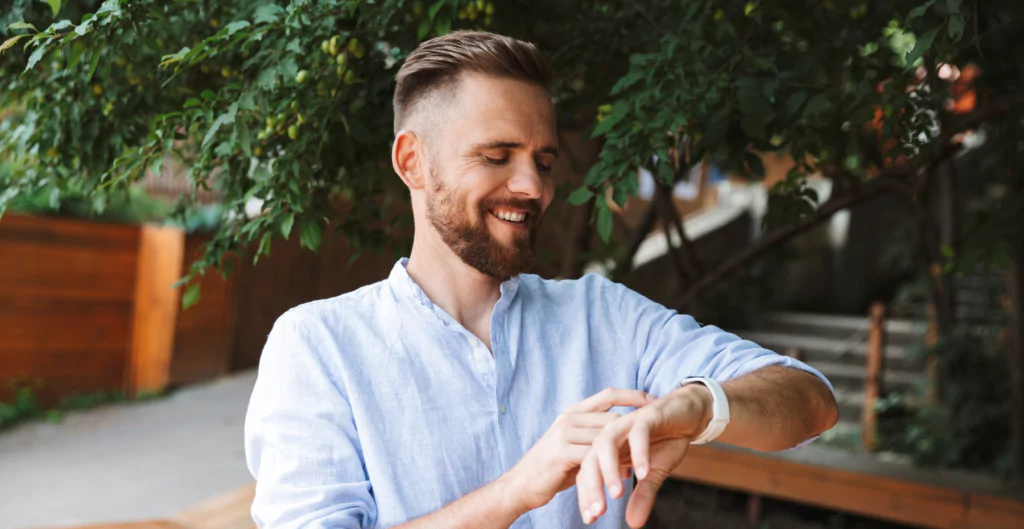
(403, 283)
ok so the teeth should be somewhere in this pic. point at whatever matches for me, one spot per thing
(509, 216)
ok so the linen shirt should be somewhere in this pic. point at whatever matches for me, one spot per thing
(376, 407)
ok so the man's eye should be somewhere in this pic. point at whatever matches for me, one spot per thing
(496, 161)
(543, 168)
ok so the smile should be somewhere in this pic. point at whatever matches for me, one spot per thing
(515, 217)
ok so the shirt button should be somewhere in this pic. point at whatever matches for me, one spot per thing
(502, 408)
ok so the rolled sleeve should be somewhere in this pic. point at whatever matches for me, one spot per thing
(301, 442)
(671, 347)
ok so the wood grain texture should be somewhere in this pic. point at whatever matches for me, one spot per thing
(230, 510)
(155, 312)
(66, 292)
(866, 494)
(204, 334)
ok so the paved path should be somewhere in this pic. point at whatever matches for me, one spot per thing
(126, 462)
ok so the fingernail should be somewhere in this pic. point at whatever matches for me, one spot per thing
(614, 489)
(651, 398)
(587, 518)
(641, 472)
(594, 509)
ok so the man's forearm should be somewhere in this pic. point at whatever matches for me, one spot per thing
(775, 408)
(493, 506)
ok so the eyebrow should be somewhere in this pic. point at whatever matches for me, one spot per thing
(553, 151)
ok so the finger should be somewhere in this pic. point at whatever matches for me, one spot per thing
(610, 398)
(582, 436)
(590, 493)
(594, 419)
(608, 448)
(625, 471)
(639, 448)
(641, 502)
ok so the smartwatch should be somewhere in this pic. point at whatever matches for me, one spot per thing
(719, 409)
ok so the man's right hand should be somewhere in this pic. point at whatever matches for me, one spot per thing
(550, 466)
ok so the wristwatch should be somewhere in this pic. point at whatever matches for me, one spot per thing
(719, 409)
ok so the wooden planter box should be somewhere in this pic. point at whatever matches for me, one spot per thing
(88, 306)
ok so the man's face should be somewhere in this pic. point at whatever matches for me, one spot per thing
(489, 181)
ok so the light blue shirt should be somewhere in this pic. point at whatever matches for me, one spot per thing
(376, 407)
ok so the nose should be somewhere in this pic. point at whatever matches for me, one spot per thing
(526, 182)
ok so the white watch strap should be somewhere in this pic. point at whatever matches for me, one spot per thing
(719, 410)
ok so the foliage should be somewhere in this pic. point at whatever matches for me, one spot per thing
(288, 102)
(968, 427)
(25, 405)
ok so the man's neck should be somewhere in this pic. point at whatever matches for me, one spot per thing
(466, 294)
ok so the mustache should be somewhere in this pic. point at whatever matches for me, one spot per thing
(530, 206)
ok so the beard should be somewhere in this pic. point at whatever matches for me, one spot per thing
(473, 242)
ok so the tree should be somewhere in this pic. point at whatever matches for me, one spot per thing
(288, 102)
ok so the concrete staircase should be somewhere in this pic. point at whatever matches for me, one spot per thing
(837, 346)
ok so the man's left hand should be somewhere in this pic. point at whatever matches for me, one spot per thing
(656, 438)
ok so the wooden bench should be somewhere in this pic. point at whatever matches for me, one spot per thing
(860, 485)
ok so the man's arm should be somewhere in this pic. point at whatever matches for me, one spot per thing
(772, 408)
(493, 506)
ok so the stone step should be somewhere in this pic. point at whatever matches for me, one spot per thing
(898, 331)
(852, 376)
(830, 349)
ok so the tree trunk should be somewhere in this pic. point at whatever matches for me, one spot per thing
(1017, 367)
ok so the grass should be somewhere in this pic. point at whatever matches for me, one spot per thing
(26, 407)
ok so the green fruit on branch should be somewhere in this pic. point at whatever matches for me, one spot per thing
(294, 106)
(356, 48)
(293, 132)
(334, 47)
(271, 122)
(342, 60)
(489, 9)
(350, 77)
(325, 46)
(417, 7)
(301, 76)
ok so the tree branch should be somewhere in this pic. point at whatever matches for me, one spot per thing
(890, 180)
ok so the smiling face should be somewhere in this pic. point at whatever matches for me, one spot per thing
(489, 180)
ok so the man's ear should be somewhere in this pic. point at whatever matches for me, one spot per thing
(407, 158)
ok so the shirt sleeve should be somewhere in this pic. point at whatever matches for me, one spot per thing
(300, 439)
(670, 346)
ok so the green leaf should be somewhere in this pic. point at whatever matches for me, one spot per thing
(57, 26)
(11, 42)
(36, 56)
(443, 25)
(424, 28)
(95, 61)
(54, 6)
(226, 118)
(310, 236)
(22, 25)
(265, 244)
(956, 27)
(580, 196)
(286, 225)
(752, 104)
(665, 173)
(920, 10)
(234, 27)
(435, 8)
(924, 43)
(604, 222)
(193, 102)
(953, 5)
(267, 14)
(794, 103)
(753, 126)
(947, 251)
(190, 297)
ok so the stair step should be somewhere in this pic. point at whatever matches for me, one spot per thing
(831, 323)
(846, 375)
(822, 346)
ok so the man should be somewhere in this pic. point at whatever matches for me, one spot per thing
(463, 393)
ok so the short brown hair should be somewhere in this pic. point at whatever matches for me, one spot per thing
(436, 64)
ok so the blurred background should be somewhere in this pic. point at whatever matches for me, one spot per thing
(838, 180)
